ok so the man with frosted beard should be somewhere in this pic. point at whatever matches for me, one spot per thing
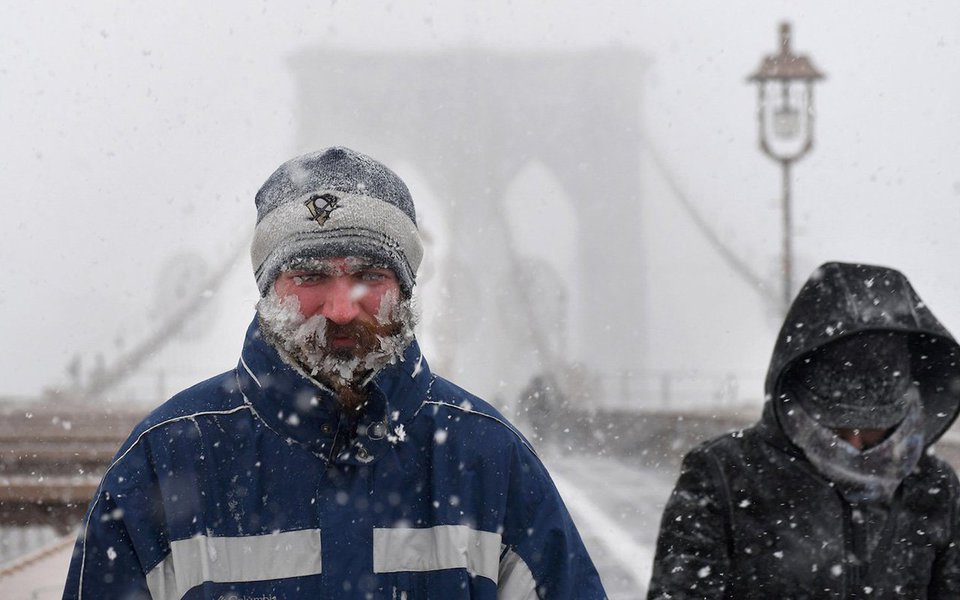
(331, 463)
(833, 493)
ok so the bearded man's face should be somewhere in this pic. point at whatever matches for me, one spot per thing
(339, 319)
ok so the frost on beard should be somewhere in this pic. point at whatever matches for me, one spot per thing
(302, 341)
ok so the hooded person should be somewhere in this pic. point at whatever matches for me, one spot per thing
(834, 492)
(331, 462)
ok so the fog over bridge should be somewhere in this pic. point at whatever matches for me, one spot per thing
(558, 241)
(525, 171)
(537, 200)
(531, 178)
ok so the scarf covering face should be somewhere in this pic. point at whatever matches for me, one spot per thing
(871, 475)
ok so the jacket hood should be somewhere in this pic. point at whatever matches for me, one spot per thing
(840, 300)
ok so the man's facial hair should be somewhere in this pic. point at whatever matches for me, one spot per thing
(305, 343)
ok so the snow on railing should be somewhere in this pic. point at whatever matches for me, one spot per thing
(662, 390)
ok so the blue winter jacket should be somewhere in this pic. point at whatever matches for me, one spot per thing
(253, 486)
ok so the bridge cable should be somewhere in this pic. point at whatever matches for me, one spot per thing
(129, 362)
(739, 266)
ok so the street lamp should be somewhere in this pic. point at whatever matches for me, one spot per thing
(785, 118)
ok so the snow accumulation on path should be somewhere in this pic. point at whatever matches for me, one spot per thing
(41, 574)
(633, 558)
(617, 510)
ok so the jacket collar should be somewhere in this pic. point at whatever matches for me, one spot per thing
(304, 411)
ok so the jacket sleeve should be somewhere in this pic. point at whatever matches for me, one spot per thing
(945, 574)
(108, 559)
(692, 558)
(542, 556)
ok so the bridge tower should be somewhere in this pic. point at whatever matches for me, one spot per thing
(517, 151)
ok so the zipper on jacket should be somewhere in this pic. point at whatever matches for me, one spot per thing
(857, 542)
(851, 575)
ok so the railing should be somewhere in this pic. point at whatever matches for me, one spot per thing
(644, 391)
(16, 542)
(690, 390)
(52, 457)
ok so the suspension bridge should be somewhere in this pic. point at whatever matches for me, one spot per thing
(616, 423)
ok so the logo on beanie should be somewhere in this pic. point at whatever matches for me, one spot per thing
(321, 206)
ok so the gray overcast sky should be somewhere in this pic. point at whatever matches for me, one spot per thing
(134, 130)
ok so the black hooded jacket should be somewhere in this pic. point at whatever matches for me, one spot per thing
(751, 518)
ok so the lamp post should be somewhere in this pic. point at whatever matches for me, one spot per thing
(785, 118)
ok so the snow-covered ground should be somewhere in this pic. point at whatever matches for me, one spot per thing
(615, 504)
(38, 575)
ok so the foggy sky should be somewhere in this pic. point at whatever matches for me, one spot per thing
(134, 131)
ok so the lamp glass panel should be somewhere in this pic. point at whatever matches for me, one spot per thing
(786, 122)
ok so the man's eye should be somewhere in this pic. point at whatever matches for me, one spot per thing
(307, 278)
(372, 276)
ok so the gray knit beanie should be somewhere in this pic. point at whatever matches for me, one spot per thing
(331, 203)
